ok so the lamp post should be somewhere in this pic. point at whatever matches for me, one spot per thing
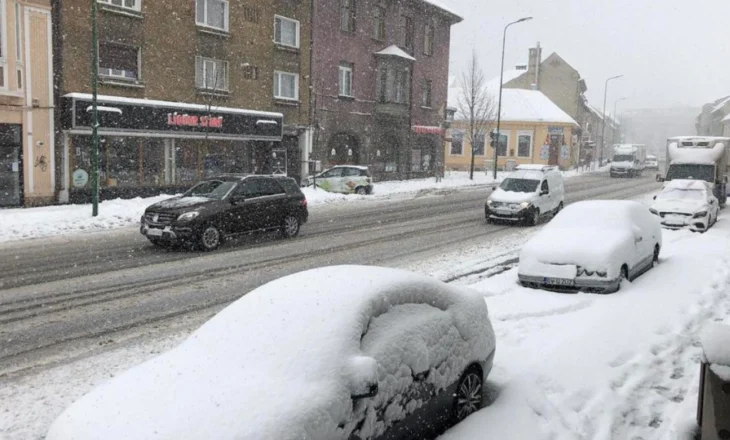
(499, 105)
(603, 124)
(615, 118)
(94, 113)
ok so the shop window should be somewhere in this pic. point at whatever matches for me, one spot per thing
(212, 14)
(347, 15)
(524, 144)
(118, 61)
(345, 81)
(426, 93)
(379, 23)
(134, 5)
(211, 74)
(286, 31)
(286, 86)
(408, 34)
(457, 143)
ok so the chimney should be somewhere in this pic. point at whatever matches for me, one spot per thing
(533, 65)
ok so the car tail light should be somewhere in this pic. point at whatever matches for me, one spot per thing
(303, 202)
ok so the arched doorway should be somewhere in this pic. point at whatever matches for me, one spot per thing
(343, 148)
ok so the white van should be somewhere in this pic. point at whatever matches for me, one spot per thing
(530, 193)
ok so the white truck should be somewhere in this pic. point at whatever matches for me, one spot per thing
(628, 160)
(699, 158)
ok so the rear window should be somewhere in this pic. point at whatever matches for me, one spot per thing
(290, 186)
(365, 172)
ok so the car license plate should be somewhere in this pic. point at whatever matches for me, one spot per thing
(154, 232)
(559, 282)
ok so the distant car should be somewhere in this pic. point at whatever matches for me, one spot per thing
(343, 352)
(651, 163)
(225, 206)
(527, 195)
(345, 179)
(592, 246)
(687, 204)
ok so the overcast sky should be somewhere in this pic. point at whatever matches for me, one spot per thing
(672, 52)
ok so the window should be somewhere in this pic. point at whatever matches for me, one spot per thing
(383, 84)
(211, 74)
(212, 13)
(18, 47)
(286, 86)
(334, 172)
(347, 15)
(379, 23)
(502, 142)
(408, 34)
(524, 144)
(126, 4)
(118, 61)
(457, 142)
(544, 188)
(250, 72)
(428, 32)
(401, 87)
(251, 14)
(477, 145)
(351, 172)
(286, 31)
(345, 80)
(426, 93)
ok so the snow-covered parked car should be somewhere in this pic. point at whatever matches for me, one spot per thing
(342, 352)
(687, 204)
(592, 246)
(345, 179)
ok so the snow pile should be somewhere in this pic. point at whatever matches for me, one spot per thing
(279, 362)
(716, 344)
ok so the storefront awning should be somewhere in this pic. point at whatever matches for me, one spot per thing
(145, 117)
(426, 129)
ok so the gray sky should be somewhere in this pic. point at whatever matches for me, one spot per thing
(672, 52)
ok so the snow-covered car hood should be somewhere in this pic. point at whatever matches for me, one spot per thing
(591, 248)
(680, 206)
(500, 195)
(181, 202)
(622, 164)
(272, 364)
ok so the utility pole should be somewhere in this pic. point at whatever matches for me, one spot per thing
(94, 113)
(603, 123)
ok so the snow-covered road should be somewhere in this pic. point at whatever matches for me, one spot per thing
(621, 366)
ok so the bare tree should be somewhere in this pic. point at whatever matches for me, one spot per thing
(476, 106)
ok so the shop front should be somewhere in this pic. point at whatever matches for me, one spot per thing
(158, 147)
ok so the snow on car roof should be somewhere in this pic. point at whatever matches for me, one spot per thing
(596, 213)
(278, 353)
(684, 184)
(536, 167)
(696, 153)
(715, 344)
(526, 174)
(359, 167)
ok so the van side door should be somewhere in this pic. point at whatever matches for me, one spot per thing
(545, 197)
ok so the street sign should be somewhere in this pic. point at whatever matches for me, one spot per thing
(80, 178)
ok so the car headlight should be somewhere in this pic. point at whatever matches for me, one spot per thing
(653, 211)
(489, 202)
(700, 214)
(524, 205)
(186, 217)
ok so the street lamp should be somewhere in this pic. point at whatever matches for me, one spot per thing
(499, 105)
(603, 124)
(94, 113)
(615, 118)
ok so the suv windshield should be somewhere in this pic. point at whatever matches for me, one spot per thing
(519, 185)
(211, 189)
(623, 158)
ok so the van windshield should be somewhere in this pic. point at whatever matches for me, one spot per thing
(623, 158)
(519, 185)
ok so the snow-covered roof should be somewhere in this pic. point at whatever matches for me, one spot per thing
(508, 76)
(518, 105)
(395, 51)
(109, 99)
(441, 4)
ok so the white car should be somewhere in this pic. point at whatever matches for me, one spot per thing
(530, 193)
(687, 204)
(342, 352)
(651, 163)
(345, 179)
(592, 246)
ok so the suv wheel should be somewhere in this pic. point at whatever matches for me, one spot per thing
(290, 227)
(210, 238)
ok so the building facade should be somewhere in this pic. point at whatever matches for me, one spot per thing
(380, 79)
(186, 90)
(26, 103)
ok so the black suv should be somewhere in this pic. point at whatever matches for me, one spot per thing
(227, 205)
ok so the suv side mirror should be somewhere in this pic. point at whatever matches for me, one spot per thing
(362, 374)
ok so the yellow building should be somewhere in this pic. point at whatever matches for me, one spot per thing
(27, 168)
(533, 130)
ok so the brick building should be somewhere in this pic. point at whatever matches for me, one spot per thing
(380, 80)
(187, 89)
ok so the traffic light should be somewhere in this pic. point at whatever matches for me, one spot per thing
(493, 137)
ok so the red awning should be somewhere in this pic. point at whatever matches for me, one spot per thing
(424, 129)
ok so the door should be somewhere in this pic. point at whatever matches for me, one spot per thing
(11, 166)
(248, 210)
(273, 200)
(545, 198)
(352, 179)
(556, 142)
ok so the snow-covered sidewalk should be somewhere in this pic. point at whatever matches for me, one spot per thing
(19, 224)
